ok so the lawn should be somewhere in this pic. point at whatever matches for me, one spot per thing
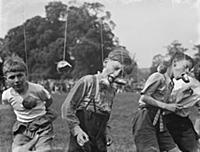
(124, 106)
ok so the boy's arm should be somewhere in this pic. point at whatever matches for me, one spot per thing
(151, 101)
(5, 104)
(46, 97)
(48, 102)
(151, 86)
(70, 105)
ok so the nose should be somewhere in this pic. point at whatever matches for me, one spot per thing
(16, 79)
(187, 70)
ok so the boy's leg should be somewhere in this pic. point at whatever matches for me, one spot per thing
(183, 133)
(144, 132)
(94, 124)
(19, 141)
(44, 144)
(186, 140)
(73, 145)
(166, 142)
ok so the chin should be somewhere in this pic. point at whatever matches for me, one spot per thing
(18, 89)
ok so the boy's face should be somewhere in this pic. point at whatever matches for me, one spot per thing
(113, 68)
(181, 67)
(17, 80)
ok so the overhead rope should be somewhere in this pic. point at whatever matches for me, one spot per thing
(25, 45)
(101, 36)
(64, 65)
(65, 37)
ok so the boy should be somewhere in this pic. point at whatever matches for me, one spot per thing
(33, 128)
(149, 130)
(88, 105)
(179, 124)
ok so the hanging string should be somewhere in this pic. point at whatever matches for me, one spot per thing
(101, 35)
(65, 38)
(25, 46)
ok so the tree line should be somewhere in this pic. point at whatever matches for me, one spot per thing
(86, 30)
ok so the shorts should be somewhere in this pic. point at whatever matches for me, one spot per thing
(94, 124)
(182, 131)
(148, 137)
(23, 133)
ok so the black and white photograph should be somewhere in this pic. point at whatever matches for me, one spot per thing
(100, 76)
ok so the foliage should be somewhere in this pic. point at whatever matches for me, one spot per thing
(172, 48)
(197, 54)
(40, 40)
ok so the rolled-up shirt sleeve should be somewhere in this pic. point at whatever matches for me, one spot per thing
(71, 104)
(152, 84)
(4, 98)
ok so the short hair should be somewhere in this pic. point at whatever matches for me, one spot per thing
(14, 63)
(179, 56)
(120, 54)
(162, 68)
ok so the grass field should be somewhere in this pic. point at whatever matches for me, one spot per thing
(124, 106)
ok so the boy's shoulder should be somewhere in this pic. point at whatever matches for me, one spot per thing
(88, 79)
(36, 85)
(156, 77)
(7, 91)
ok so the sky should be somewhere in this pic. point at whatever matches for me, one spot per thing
(145, 27)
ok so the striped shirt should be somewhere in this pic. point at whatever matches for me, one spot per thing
(158, 87)
(35, 92)
(80, 95)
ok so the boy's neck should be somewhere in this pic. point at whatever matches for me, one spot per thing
(169, 73)
(25, 88)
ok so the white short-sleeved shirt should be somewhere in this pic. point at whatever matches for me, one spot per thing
(157, 87)
(181, 95)
(35, 92)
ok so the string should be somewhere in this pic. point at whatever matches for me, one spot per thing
(101, 36)
(65, 37)
(25, 46)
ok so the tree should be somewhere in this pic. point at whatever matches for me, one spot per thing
(174, 47)
(197, 54)
(40, 40)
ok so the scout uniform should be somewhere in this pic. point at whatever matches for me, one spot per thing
(89, 105)
(179, 123)
(149, 130)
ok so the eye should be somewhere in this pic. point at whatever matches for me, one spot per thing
(20, 75)
(11, 77)
(117, 68)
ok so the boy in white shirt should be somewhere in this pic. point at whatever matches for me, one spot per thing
(179, 124)
(30, 103)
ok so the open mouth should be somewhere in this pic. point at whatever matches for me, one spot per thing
(119, 81)
(185, 78)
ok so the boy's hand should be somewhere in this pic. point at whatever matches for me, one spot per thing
(82, 137)
(173, 107)
(109, 139)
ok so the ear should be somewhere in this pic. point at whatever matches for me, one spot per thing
(105, 62)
